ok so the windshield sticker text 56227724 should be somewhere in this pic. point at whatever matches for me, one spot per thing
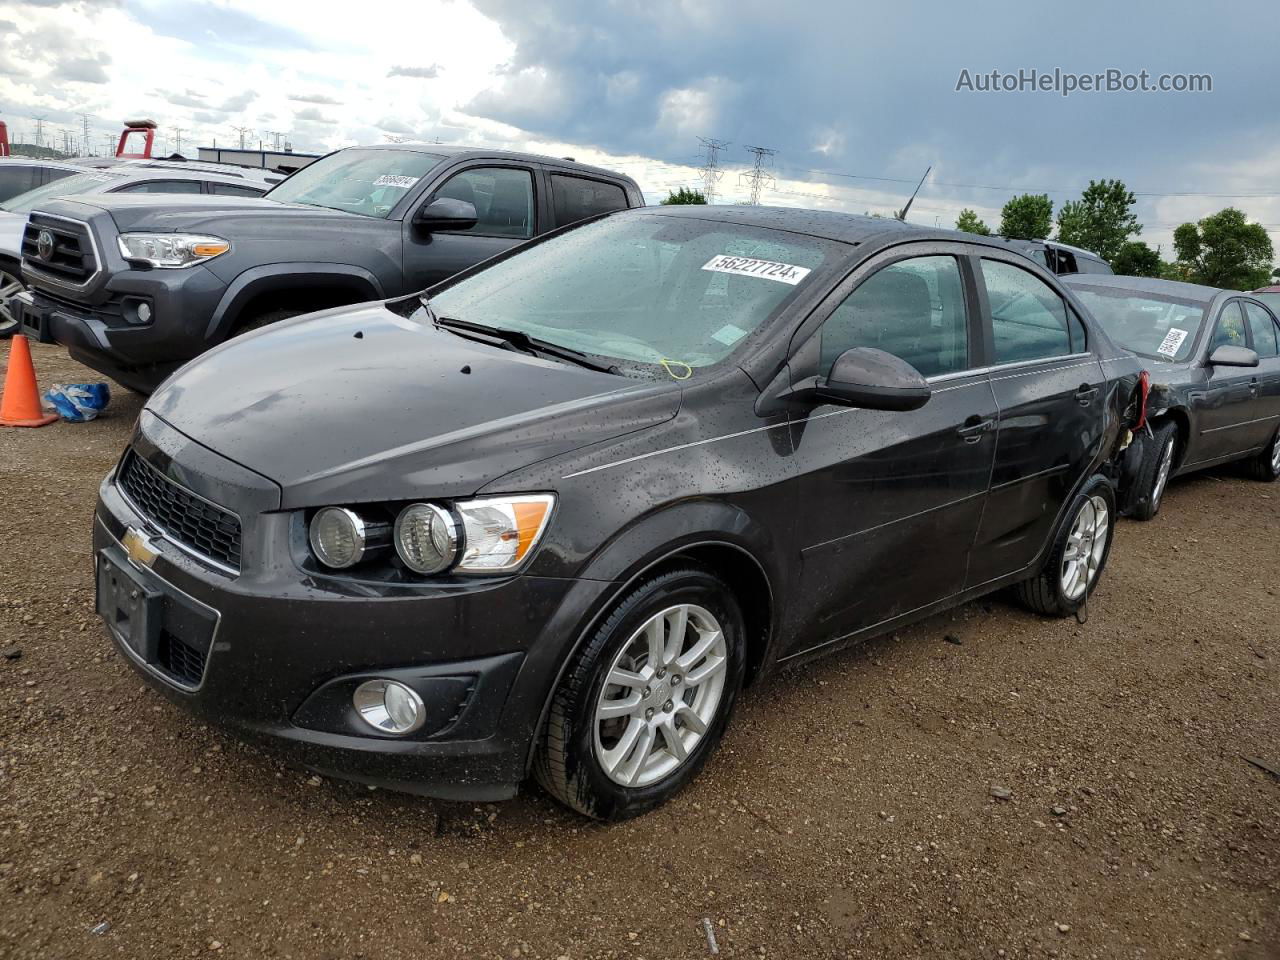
(749, 267)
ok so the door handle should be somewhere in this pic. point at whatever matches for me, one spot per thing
(1085, 395)
(974, 428)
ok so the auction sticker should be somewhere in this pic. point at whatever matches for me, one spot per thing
(394, 180)
(749, 267)
(1172, 342)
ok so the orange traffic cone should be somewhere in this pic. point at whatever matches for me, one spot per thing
(20, 404)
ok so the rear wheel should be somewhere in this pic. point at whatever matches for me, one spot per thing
(1153, 475)
(1078, 556)
(646, 701)
(10, 286)
(1266, 465)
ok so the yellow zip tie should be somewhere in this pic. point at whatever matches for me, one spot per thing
(666, 365)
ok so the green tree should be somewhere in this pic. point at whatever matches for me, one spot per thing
(1225, 250)
(968, 222)
(1028, 217)
(1136, 259)
(684, 196)
(1102, 220)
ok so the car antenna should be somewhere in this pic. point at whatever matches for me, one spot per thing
(902, 214)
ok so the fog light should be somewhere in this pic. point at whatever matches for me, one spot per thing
(144, 313)
(388, 706)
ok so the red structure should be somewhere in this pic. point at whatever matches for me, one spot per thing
(133, 130)
(4, 140)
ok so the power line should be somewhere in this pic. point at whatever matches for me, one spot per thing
(242, 131)
(711, 172)
(759, 176)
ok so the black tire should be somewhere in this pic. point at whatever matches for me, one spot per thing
(1266, 465)
(1044, 593)
(258, 321)
(1144, 499)
(9, 275)
(566, 764)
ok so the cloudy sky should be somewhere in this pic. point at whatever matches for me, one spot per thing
(857, 98)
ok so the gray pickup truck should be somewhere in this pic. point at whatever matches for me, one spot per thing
(135, 287)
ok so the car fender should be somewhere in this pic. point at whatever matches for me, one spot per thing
(281, 276)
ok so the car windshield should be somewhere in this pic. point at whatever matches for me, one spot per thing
(366, 182)
(664, 295)
(65, 187)
(1160, 328)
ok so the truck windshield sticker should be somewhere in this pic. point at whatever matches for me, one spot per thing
(729, 334)
(1172, 342)
(749, 267)
(395, 180)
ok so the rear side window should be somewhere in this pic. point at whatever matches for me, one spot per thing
(576, 198)
(17, 178)
(233, 190)
(913, 309)
(502, 196)
(1263, 328)
(162, 186)
(1028, 319)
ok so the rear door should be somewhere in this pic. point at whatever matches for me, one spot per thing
(1264, 338)
(575, 197)
(890, 501)
(1050, 391)
(1225, 410)
(506, 205)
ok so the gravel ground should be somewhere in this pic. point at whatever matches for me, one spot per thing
(849, 813)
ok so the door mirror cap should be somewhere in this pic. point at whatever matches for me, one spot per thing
(873, 380)
(445, 213)
(1232, 356)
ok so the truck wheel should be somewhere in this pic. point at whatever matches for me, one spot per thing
(1266, 465)
(1079, 553)
(1161, 450)
(643, 705)
(10, 286)
(258, 321)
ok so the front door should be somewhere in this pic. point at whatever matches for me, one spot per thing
(889, 502)
(506, 213)
(1050, 391)
(1226, 412)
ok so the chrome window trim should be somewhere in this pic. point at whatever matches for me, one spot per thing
(28, 263)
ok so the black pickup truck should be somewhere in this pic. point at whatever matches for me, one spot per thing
(136, 286)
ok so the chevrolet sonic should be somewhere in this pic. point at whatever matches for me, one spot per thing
(550, 516)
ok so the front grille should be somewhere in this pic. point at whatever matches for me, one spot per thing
(180, 659)
(205, 528)
(71, 259)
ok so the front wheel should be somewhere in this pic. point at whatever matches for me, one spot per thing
(1153, 475)
(10, 286)
(1266, 465)
(645, 703)
(1079, 553)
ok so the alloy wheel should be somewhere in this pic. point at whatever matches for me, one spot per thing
(1275, 454)
(10, 287)
(1162, 474)
(1086, 546)
(660, 695)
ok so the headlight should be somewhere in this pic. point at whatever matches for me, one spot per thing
(426, 538)
(170, 250)
(498, 533)
(338, 537)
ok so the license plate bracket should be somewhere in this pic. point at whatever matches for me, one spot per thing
(132, 609)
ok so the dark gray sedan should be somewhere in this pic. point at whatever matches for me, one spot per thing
(1218, 354)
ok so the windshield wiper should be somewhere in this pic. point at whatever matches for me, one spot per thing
(519, 340)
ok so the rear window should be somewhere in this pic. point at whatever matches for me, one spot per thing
(17, 178)
(576, 198)
(235, 190)
(1156, 327)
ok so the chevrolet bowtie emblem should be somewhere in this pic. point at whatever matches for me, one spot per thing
(139, 548)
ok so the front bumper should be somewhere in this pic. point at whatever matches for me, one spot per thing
(283, 650)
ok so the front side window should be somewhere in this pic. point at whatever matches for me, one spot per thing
(1263, 329)
(65, 187)
(664, 295)
(368, 182)
(913, 309)
(502, 196)
(1229, 331)
(1152, 326)
(1028, 319)
(233, 190)
(162, 186)
(576, 198)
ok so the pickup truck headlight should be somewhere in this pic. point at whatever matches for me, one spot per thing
(171, 250)
(484, 535)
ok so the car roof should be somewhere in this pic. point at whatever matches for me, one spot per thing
(39, 162)
(454, 151)
(1168, 288)
(1025, 244)
(1274, 288)
(116, 175)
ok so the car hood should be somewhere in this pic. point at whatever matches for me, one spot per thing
(11, 227)
(363, 404)
(221, 216)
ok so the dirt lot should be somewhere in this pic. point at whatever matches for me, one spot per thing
(849, 813)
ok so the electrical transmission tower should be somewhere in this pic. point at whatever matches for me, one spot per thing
(84, 126)
(277, 136)
(243, 131)
(759, 176)
(39, 131)
(177, 139)
(711, 172)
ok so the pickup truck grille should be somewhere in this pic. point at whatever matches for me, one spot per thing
(68, 254)
(204, 528)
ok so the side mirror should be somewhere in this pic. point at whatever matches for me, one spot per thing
(445, 213)
(873, 380)
(1232, 356)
